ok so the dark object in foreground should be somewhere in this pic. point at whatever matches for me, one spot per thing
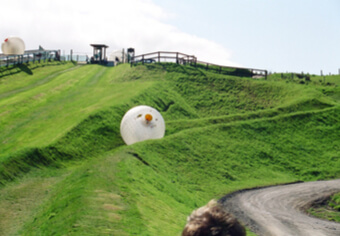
(212, 220)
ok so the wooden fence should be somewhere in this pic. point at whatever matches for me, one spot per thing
(231, 70)
(176, 57)
(181, 58)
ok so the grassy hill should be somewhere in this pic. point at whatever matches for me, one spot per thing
(64, 169)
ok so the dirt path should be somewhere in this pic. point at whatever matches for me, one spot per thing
(279, 210)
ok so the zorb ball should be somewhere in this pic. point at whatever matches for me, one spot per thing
(13, 46)
(142, 123)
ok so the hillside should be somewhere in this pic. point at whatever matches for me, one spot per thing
(64, 169)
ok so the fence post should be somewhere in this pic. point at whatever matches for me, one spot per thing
(178, 61)
(159, 57)
(143, 59)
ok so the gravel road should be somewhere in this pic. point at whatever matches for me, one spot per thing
(279, 210)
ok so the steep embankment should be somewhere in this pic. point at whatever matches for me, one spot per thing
(224, 133)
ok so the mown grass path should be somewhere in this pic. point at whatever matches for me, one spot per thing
(53, 75)
(39, 113)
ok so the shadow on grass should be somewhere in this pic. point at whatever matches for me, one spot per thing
(15, 70)
(27, 68)
(24, 68)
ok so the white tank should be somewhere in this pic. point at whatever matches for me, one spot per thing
(13, 46)
(142, 123)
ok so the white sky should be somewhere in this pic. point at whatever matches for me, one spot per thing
(278, 35)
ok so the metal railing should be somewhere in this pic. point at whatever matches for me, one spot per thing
(29, 56)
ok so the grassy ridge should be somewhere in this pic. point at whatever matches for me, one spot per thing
(215, 143)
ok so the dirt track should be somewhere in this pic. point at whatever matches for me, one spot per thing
(279, 210)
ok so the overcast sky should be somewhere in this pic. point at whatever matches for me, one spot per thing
(278, 35)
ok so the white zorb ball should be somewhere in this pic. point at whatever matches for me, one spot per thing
(142, 123)
(13, 46)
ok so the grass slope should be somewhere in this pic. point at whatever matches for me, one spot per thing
(224, 133)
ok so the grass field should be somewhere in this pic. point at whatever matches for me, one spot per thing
(64, 169)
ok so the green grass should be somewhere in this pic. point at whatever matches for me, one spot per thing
(326, 80)
(40, 115)
(330, 210)
(59, 131)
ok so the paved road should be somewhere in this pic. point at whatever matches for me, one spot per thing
(279, 210)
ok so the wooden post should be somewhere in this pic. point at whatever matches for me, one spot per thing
(159, 57)
(94, 51)
(178, 61)
(143, 59)
(71, 53)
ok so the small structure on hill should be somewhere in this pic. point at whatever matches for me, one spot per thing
(131, 54)
(99, 54)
